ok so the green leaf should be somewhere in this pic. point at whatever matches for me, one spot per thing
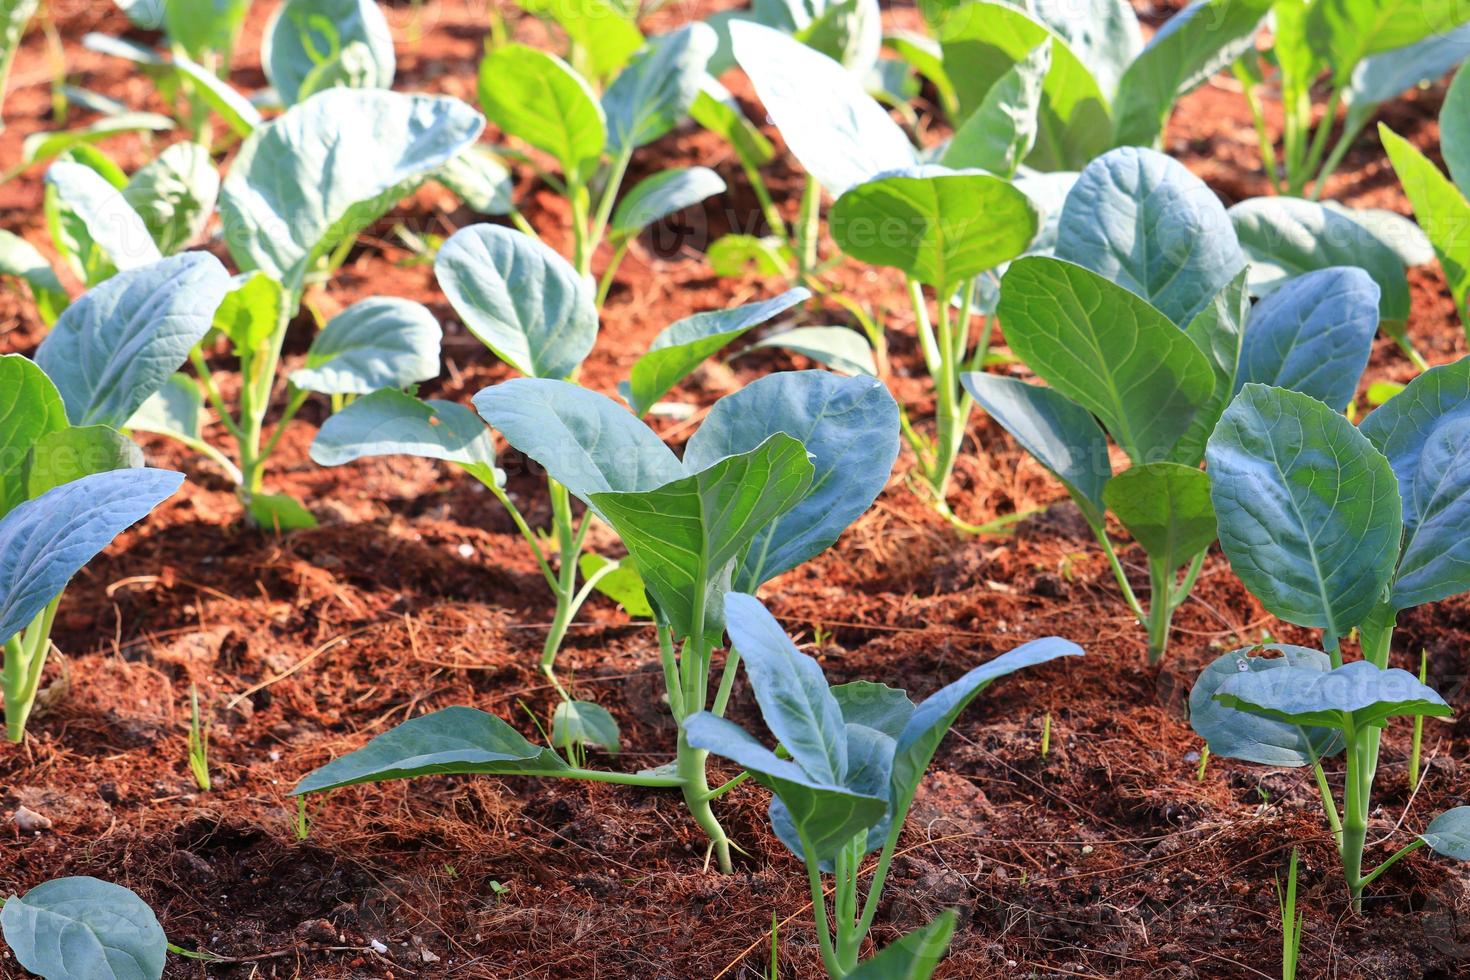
(1235, 734)
(914, 957)
(175, 195)
(379, 342)
(1423, 431)
(120, 341)
(30, 409)
(839, 134)
(173, 410)
(41, 147)
(1344, 32)
(204, 27)
(250, 313)
(923, 54)
(685, 537)
(238, 112)
(1454, 129)
(94, 224)
(603, 31)
(937, 225)
(480, 179)
(578, 723)
(848, 31)
(849, 427)
(1104, 34)
(1441, 209)
(1403, 237)
(666, 192)
(1166, 507)
(1313, 335)
(84, 929)
(1217, 331)
(716, 110)
(622, 585)
(454, 741)
(654, 92)
(586, 441)
(1383, 76)
(19, 258)
(519, 298)
(1198, 41)
(737, 255)
(47, 540)
(393, 423)
(69, 454)
(1060, 434)
(279, 512)
(1353, 696)
(1449, 833)
(1309, 510)
(1000, 133)
(681, 347)
(303, 35)
(877, 706)
(1108, 350)
(537, 97)
(331, 166)
(982, 41)
(1143, 221)
(1287, 236)
(840, 348)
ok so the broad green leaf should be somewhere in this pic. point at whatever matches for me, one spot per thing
(826, 815)
(41, 147)
(1166, 507)
(1001, 131)
(1441, 209)
(791, 690)
(1236, 734)
(204, 27)
(84, 929)
(586, 441)
(1313, 335)
(108, 168)
(453, 741)
(480, 179)
(654, 92)
(19, 258)
(173, 410)
(849, 427)
(519, 298)
(86, 213)
(840, 348)
(870, 765)
(1308, 509)
(1384, 76)
(1108, 350)
(30, 409)
(1218, 331)
(914, 957)
(838, 133)
(1353, 696)
(379, 342)
(1143, 221)
(279, 512)
(622, 585)
(1344, 32)
(578, 723)
(175, 195)
(1104, 34)
(847, 31)
(251, 311)
(305, 34)
(352, 67)
(1449, 834)
(737, 255)
(1287, 236)
(933, 718)
(393, 423)
(120, 341)
(1402, 235)
(1454, 129)
(238, 112)
(983, 40)
(1060, 434)
(666, 192)
(1423, 430)
(331, 166)
(47, 540)
(923, 54)
(686, 537)
(716, 110)
(681, 347)
(877, 706)
(603, 30)
(74, 452)
(1198, 41)
(937, 225)
(535, 96)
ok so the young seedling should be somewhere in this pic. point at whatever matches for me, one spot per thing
(1141, 321)
(198, 742)
(770, 479)
(853, 757)
(1335, 527)
(1291, 921)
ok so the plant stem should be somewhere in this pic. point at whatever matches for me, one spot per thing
(1319, 140)
(819, 906)
(1416, 748)
(690, 762)
(1107, 546)
(1160, 609)
(808, 229)
(25, 658)
(1354, 820)
(690, 765)
(604, 285)
(605, 203)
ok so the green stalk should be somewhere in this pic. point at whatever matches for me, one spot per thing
(819, 907)
(769, 211)
(1319, 140)
(1160, 609)
(605, 204)
(569, 545)
(950, 428)
(807, 229)
(690, 762)
(25, 658)
(1354, 820)
(259, 375)
(1139, 614)
(1258, 118)
(604, 285)
(1414, 751)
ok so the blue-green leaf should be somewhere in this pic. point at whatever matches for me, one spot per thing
(1236, 734)
(84, 929)
(666, 192)
(654, 92)
(303, 36)
(1352, 696)
(391, 423)
(379, 342)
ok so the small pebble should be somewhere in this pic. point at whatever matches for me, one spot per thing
(377, 946)
(29, 820)
(466, 551)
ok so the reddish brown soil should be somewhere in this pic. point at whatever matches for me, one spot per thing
(1106, 858)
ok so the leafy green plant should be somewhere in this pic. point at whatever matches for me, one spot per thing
(1140, 320)
(1366, 51)
(198, 742)
(770, 479)
(1335, 527)
(84, 929)
(852, 760)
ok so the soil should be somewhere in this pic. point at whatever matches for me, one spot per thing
(1107, 857)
